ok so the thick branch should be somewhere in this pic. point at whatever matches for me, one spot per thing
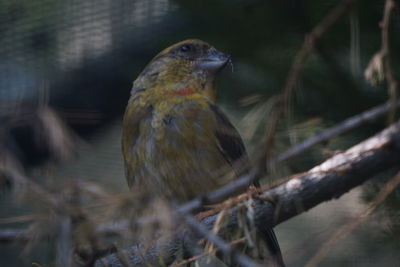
(115, 229)
(329, 180)
(337, 175)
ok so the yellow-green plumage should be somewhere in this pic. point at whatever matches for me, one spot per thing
(169, 142)
(176, 143)
(175, 151)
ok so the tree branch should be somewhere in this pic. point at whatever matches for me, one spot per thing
(295, 73)
(7, 235)
(12, 235)
(379, 67)
(338, 174)
(347, 125)
(224, 247)
(329, 180)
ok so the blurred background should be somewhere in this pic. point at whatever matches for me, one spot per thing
(72, 64)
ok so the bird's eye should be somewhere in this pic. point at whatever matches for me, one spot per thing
(185, 48)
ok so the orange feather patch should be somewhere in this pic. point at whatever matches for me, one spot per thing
(183, 92)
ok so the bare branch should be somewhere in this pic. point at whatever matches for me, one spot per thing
(242, 183)
(379, 67)
(55, 134)
(380, 144)
(194, 258)
(64, 244)
(12, 235)
(329, 180)
(347, 125)
(326, 181)
(309, 45)
(338, 174)
(385, 50)
(295, 73)
(224, 247)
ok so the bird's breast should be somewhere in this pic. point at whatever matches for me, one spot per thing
(177, 148)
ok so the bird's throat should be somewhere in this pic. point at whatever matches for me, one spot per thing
(183, 92)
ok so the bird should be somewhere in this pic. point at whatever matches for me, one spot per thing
(176, 142)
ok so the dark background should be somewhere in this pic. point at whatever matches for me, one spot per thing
(80, 58)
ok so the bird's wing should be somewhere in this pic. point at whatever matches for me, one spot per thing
(232, 147)
(134, 115)
(230, 143)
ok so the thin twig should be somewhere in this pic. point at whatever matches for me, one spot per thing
(229, 190)
(327, 181)
(235, 256)
(241, 184)
(385, 50)
(22, 218)
(347, 125)
(295, 72)
(332, 179)
(64, 244)
(116, 228)
(12, 235)
(205, 253)
(343, 231)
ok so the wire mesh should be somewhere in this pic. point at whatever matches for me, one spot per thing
(42, 39)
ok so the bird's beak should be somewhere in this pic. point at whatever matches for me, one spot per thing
(213, 61)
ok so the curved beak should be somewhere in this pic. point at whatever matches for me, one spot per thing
(214, 60)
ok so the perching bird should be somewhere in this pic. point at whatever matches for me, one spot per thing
(176, 142)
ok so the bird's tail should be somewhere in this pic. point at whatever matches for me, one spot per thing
(271, 242)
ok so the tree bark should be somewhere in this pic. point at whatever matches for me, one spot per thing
(301, 192)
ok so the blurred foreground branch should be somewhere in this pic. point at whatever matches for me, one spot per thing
(326, 181)
(385, 51)
(224, 247)
(301, 192)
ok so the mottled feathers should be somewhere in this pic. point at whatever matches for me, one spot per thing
(177, 144)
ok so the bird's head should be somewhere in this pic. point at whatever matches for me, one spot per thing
(185, 67)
